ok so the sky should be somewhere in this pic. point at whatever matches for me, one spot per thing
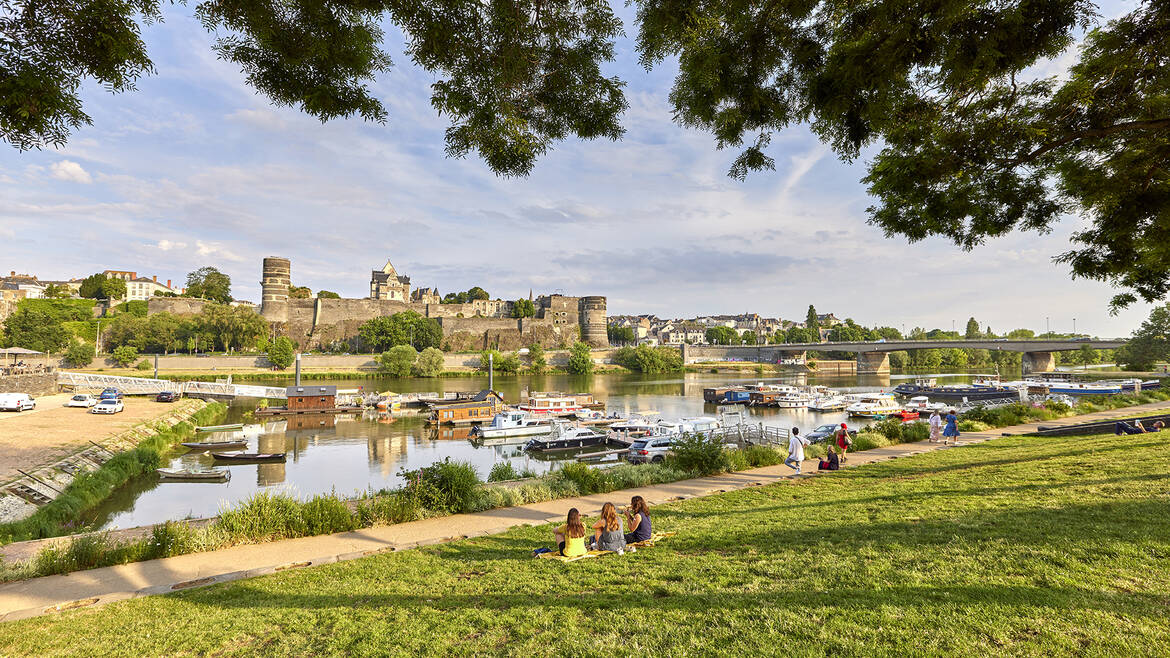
(194, 168)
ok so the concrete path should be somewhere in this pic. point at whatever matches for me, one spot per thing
(39, 596)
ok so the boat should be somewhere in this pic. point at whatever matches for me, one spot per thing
(874, 405)
(248, 457)
(792, 400)
(220, 428)
(566, 438)
(512, 423)
(214, 445)
(922, 404)
(982, 392)
(829, 403)
(187, 475)
(543, 404)
(906, 414)
(691, 425)
(736, 396)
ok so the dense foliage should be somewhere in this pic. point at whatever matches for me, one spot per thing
(281, 352)
(398, 361)
(429, 363)
(474, 294)
(580, 359)
(621, 335)
(216, 325)
(80, 353)
(536, 359)
(523, 308)
(34, 329)
(1150, 344)
(644, 358)
(209, 283)
(405, 328)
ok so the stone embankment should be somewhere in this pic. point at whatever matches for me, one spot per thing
(35, 385)
(37, 485)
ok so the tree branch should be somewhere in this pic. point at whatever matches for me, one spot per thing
(1155, 124)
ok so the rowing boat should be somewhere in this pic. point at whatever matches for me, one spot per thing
(220, 428)
(240, 457)
(215, 445)
(215, 475)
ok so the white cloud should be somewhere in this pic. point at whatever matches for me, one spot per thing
(68, 170)
(214, 249)
(167, 245)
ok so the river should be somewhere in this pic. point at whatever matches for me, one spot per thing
(349, 454)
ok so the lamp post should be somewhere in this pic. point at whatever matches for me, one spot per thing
(1047, 326)
(1074, 326)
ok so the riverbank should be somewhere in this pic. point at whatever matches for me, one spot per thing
(93, 471)
(958, 551)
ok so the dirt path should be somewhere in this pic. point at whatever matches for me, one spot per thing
(33, 438)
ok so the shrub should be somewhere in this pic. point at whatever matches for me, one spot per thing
(263, 517)
(170, 538)
(124, 355)
(698, 454)
(891, 428)
(503, 471)
(80, 353)
(397, 361)
(445, 487)
(429, 363)
(912, 432)
(758, 456)
(580, 359)
(644, 358)
(587, 480)
(869, 441)
(501, 362)
(966, 425)
(144, 365)
(536, 360)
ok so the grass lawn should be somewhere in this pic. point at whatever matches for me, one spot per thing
(1021, 546)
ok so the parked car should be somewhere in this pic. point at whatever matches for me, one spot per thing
(111, 394)
(825, 431)
(166, 396)
(108, 406)
(16, 402)
(81, 400)
(649, 450)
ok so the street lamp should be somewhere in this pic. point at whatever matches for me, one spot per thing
(1047, 326)
(1074, 326)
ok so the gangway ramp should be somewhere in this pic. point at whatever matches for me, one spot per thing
(147, 386)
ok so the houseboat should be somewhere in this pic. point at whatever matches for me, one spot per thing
(718, 394)
(566, 438)
(788, 397)
(923, 405)
(956, 393)
(512, 423)
(874, 405)
(480, 409)
(692, 425)
(548, 404)
(829, 403)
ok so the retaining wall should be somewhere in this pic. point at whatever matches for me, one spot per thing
(34, 385)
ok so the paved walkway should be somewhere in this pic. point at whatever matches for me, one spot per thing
(39, 596)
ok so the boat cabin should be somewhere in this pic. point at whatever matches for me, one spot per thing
(481, 409)
(311, 398)
(717, 394)
(765, 397)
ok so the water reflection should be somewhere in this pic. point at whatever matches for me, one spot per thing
(350, 453)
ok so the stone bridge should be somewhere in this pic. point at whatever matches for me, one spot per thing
(873, 357)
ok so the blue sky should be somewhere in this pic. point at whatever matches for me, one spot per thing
(196, 169)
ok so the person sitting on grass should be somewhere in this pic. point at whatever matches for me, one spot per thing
(570, 537)
(638, 520)
(607, 532)
(830, 462)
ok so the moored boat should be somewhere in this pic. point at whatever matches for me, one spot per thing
(875, 405)
(512, 423)
(829, 403)
(248, 457)
(566, 438)
(220, 428)
(214, 445)
(188, 475)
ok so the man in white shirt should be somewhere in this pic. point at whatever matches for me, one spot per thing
(796, 446)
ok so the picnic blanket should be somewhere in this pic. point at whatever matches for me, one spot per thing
(646, 543)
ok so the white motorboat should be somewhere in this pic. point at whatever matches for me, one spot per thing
(874, 405)
(512, 423)
(829, 403)
(923, 405)
(693, 425)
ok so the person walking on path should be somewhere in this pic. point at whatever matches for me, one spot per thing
(796, 444)
(951, 431)
(935, 426)
(843, 441)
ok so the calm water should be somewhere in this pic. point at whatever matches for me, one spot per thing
(348, 454)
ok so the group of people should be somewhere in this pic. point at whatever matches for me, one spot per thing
(831, 462)
(609, 531)
(946, 429)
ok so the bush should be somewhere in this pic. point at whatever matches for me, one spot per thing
(444, 487)
(580, 359)
(499, 361)
(966, 425)
(125, 355)
(280, 352)
(912, 432)
(869, 441)
(698, 454)
(587, 480)
(80, 353)
(536, 360)
(263, 517)
(397, 361)
(429, 363)
(758, 456)
(503, 472)
(325, 515)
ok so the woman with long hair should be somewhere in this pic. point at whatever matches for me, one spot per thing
(570, 537)
(607, 532)
(638, 520)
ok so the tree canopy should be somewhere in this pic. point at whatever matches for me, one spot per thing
(209, 283)
(405, 328)
(972, 144)
(100, 286)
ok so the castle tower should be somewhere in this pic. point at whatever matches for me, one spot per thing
(275, 284)
(594, 323)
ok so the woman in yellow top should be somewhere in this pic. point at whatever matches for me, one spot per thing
(570, 537)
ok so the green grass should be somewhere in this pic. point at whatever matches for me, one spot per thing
(1017, 546)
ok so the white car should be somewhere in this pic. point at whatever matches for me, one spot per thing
(16, 402)
(107, 407)
(81, 400)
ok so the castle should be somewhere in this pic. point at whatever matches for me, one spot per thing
(480, 324)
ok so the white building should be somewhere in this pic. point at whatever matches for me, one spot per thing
(142, 289)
